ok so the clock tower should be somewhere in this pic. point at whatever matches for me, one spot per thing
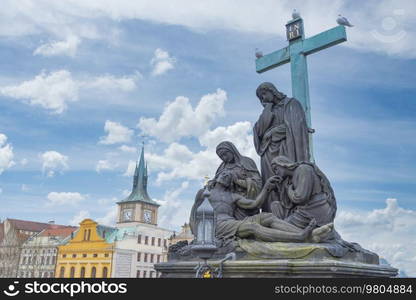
(138, 207)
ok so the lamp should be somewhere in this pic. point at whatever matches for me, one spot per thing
(205, 246)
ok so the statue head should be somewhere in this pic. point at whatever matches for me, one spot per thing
(283, 166)
(227, 152)
(268, 93)
(225, 178)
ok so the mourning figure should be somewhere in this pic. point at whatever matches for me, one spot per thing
(306, 193)
(280, 130)
(263, 226)
(246, 180)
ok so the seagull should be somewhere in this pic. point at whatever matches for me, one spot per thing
(259, 53)
(295, 14)
(343, 21)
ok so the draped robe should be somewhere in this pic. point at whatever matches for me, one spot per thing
(280, 130)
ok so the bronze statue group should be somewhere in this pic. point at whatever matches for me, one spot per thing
(291, 200)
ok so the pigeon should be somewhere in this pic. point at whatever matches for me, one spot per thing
(259, 53)
(343, 21)
(295, 14)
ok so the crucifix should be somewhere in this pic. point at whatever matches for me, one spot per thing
(296, 53)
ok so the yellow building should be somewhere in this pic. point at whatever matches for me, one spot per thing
(88, 253)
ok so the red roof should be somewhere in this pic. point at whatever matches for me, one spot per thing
(32, 226)
(62, 231)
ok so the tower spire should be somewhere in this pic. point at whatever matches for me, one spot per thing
(139, 191)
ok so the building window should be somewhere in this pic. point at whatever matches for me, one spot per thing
(138, 274)
(139, 239)
(146, 240)
(74, 255)
(158, 258)
(82, 274)
(63, 255)
(93, 272)
(95, 255)
(48, 260)
(84, 255)
(53, 260)
(62, 272)
(153, 241)
(165, 242)
(85, 235)
(106, 255)
(144, 274)
(159, 242)
(151, 258)
(72, 273)
(152, 274)
(138, 256)
(145, 257)
(105, 271)
(89, 235)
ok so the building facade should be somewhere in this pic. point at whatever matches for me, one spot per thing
(39, 252)
(140, 242)
(13, 234)
(89, 254)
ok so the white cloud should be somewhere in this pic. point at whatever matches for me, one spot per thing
(6, 154)
(117, 133)
(110, 82)
(53, 91)
(24, 161)
(240, 134)
(128, 149)
(1, 191)
(67, 47)
(174, 210)
(64, 198)
(161, 62)
(82, 215)
(131, 167)
(103, 165)
(179, 119)
(178, 161)
(24, 188)
(110, 217)
(53, 161)
(385, 26)
(388, 231)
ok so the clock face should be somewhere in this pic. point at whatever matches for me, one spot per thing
(147, 216)
(127, 215)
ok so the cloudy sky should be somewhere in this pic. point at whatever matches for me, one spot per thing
(83, 83)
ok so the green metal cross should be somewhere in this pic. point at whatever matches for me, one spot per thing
(296, 53)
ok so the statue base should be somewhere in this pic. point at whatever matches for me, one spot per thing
(261, 259)
(277, 268)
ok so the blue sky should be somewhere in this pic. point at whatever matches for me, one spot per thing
(81, 81)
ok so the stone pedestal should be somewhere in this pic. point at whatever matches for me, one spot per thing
(275, 268)
(273, 260)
